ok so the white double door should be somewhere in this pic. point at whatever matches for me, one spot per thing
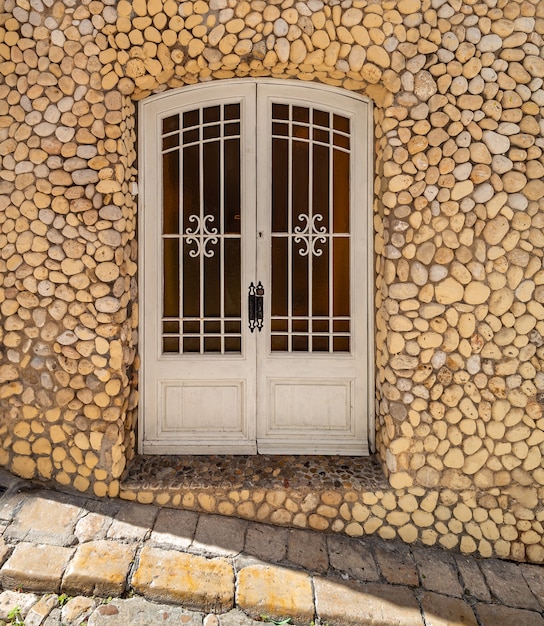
(254, 242)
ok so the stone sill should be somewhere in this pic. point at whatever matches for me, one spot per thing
(299, 491)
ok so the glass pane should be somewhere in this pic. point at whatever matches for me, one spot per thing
(320, 184)
(232, 193)
(191, 118)
(320, 282)
(191, 283)
(341, 191)
(300, 344)
(280, 187)
(280, 280)
(170, 185)
(191, 186)
(212, 344)
(170, 344)
(212, 114)
(341, 123)
(300, 175)
(280, 111)
(300, 282)
(320, 118)
(170, 327)
(170, 124)
(233, 344)
(279, 343)
(211, 132)
(232, 278)
(341, 277)
(171, 278)
(320, 344)
(232, 111)
(212, 279)
(211, 188)
(191, 344)
(301, 114)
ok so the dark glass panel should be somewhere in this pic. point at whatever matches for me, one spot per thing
(171, 141)
(231, 112)
(170, 186)
(191, 328)
(279, 343)
(280, 129)
(191, 136)
(280, 111)
(232, 191)
(300, 344)
(301, 114)
(341, 344)
(341, 123)
(191, 344)
(232, 279)
(320, 118)
(300, 193)
(191, 283)
(232, 328)
(191, 118)
(212, 327)
(320, 326)
(341, 141)
(341, 191)
(191, 186)
(170, 344)
(320, 344)
(232, 130)
(211, 169)
(211, 114)
(212, 344)
(321, 135)
(341, 273)
(300, 281)
(170, 303)
(279, 325)
(233, 344)
(301, 132)
(320, 185)
(300, 326)
(280, 186)
(341, 326)
(320, 281)
(212, 294)
(212, 132)
(170, 124)
(170, 327)
(279, 277)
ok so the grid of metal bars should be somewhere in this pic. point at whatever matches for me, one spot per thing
(201, 233)
(316, 142)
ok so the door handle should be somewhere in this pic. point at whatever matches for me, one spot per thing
(256, 306)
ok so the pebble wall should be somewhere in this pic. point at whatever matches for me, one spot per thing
(459, 215)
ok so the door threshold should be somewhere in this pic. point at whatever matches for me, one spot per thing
(287, 490)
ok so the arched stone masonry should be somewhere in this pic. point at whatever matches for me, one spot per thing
(459, 98)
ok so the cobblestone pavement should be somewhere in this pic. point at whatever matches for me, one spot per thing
(70, 559)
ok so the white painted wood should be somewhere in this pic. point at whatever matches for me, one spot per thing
(193, 403)
(274, 402)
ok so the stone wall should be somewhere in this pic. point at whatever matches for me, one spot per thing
(459, 97)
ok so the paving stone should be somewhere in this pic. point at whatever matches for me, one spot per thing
(237, 618)
(193, 581)
(473, 580)
(347, 604)
(308, 549)
(141, 612)
(507, 584)
(440, 610)
(496, 615)
(396, 564)
(92, 526)
(174, 529)
(534, 576)
(10, 599)
(77, 609)
(39, 612)
(99, 568)
(275, 592)
(35, 567)
(219, 536)
(45, 519)
(437, 571)
(133, 522)
(353, 558)
(268, 543)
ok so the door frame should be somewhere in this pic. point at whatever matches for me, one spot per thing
(369, 279)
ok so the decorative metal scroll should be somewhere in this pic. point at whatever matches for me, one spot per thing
(201, 236)
(310, 235)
